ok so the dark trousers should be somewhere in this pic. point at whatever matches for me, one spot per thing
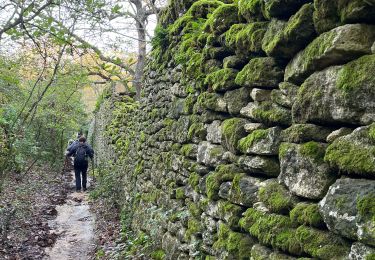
(78, 170)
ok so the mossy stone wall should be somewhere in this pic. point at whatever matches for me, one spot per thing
(254, 137)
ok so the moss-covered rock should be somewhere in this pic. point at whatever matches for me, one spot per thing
(338, 95)
(232, 131)
(271, 229)
(189, 150)
(357, 11)
(222, 80)
(303, 169)
(338, 46)
(276, 197)
(354, 153)
(230, 213)
(197, 132)
(243, 190)
(246, 39)
(326, 15)
(260, 72)
(281, 8)
(307, 214)
(268, 113)
(251, 10)
(209, 154)
(264, 165)
(222, 174)
(234, 62)
(202, 8)
(222, 19)
(322, 244)
(237, 99)
(212, 101)
(262, 142)
(300, 133)
(284, 40)
(237, 244)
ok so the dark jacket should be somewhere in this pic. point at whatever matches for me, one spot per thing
(73, 150)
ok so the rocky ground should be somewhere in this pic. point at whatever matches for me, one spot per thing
(27, 203)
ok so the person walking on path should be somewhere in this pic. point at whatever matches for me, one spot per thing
(81, 153)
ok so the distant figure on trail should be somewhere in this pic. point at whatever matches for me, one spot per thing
(74, 143)
(81, 152)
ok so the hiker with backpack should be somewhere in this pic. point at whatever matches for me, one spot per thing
(81, 153)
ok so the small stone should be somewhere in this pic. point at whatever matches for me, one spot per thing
(260, 94)
(338, 133)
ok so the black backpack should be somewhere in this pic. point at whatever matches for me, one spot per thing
(81, 155)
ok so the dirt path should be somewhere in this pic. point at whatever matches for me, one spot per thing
(74, 225)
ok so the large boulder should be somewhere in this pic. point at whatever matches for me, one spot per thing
(338, 46)
(281, 8)
(339, 94)
(285, 39)
(303, 170)
(348, 209)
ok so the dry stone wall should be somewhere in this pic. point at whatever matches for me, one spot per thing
(255, 136)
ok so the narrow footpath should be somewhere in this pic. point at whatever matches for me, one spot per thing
(74, 226)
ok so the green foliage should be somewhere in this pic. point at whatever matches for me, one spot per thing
(35, 128)
(160, 39)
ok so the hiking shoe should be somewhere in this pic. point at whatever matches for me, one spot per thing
(84, 189)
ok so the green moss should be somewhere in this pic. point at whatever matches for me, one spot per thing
(202, 8)
(314, 150)
(370, 256)
(366, 207)
(138, 168)
(180, 193)
(246, 39)
(351, 157)
(276, 197)
(197, 130)
(194, 180)
(232, 131)
(210, 101)
(222, 80)
(354, 75)
(222, 18)
(235, 243)
(189, 104)
(272, 114)
(371, 132)
(307, 214)
(187, 150)
(245, 143)
(222, 174)
(321, 244)
(195, 210)
(194, 227)
(283, 149)
(180, 24)
(271, 229)
(251, 9)
(158, 254)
